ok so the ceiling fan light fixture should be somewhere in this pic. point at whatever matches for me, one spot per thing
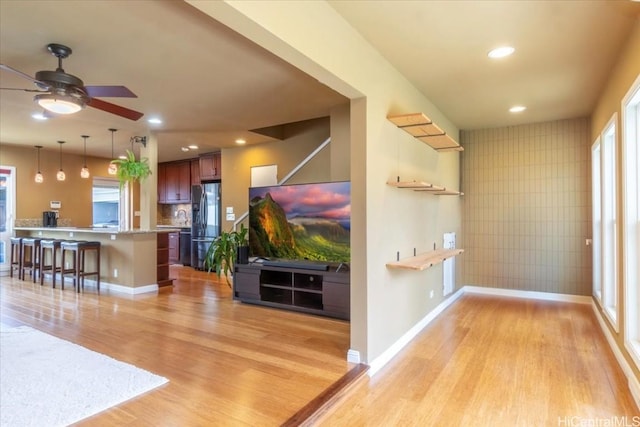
(59, 104)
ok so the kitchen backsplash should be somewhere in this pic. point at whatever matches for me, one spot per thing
(37, 222)
(178, 215)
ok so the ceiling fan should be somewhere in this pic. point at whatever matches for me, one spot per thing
(62, 93)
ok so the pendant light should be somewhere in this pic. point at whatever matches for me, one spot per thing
(60, 176)
(84, 172)
(113, 168)
(38, 178)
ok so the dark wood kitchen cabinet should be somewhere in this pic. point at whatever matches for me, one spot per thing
(162, 183)
(178, 182)
(210, 166)
(195, 171)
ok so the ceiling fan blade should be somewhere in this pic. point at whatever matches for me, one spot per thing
(25, 76)
(114, 109)
(24, 90)
(109, 92)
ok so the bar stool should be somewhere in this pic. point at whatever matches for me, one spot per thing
(79, 250)
(30, 257)
(16, 256)
(53, 267)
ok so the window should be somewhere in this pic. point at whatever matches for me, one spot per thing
(597, 221)
(106, 202)
(7, 213)
(631, 225)
(605, 223)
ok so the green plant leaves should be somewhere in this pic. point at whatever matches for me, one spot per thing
(130, 169)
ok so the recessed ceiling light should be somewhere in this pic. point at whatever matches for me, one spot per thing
(240, 141)
(39, 116)
(185, 149)
(500, 52)
(517, 109)
(193, 147)
(155, 121)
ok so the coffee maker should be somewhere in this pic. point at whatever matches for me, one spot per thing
(49, 219)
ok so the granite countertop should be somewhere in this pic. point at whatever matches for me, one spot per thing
(100, 230)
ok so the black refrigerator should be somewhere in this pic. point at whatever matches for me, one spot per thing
(205, 222)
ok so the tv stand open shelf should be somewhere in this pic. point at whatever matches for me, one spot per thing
(325, 292)
(425, 186)
(425, 260)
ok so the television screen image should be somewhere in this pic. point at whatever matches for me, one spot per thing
(301, 222)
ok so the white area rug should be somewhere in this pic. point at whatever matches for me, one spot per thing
(46, 381)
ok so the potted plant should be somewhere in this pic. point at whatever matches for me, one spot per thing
(223, 252)
(130, 169)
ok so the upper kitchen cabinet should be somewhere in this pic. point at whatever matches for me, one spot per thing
(210, 167)
(178, 182)
(162, 183)
(195, 171)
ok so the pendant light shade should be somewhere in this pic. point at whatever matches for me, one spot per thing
(38, 178)
(60, 176)
(84, 172)
(113, 168)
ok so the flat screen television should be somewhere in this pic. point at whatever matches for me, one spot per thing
(301, 222)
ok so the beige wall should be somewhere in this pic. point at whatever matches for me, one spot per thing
(527, 208)
(620, 80)
(74, 193)
(300, 140)
(384, 305)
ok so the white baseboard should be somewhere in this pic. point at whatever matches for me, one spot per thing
(129, 290)
(118, 288)
(546, 296)
(634, 384)
(353, 356)
(396, 347)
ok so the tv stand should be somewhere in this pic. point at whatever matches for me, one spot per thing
(325, 292)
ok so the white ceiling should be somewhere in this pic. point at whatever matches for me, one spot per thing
(211, 85)
(564, 52)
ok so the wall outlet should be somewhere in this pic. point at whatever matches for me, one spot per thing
(431, 294)
(113, 237)
(115, 272)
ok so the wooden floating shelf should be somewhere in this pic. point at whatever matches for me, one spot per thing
(425, 186)
(422, 127)
(425, 260)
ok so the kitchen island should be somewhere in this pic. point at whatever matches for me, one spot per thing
(133, 262)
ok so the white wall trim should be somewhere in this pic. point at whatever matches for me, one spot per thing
(353, 356)
(396, 347)
(112, 287)
(545, 296)
(634, 384)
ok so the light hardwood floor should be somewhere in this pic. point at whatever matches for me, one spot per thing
(228, 363)
(484, 362)
(489, 361)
